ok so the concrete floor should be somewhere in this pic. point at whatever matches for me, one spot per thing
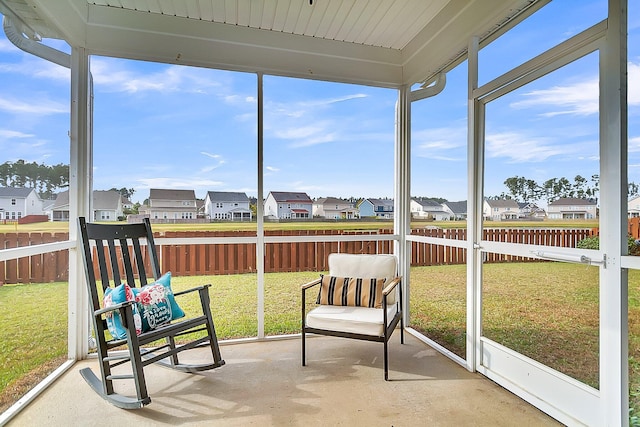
(264, 384)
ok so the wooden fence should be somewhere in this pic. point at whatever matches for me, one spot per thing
(220, 259)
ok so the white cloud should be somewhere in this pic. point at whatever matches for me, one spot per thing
(272, 169)
(213, 156)
(634, 144)
(519, 148)
(9, 134)
(578, 98)
(116, 76)
(178, 183)
(329, 101)
(34, 106)
(447, 143)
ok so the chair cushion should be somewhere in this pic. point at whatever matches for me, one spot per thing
(351, 291)
(117, 295)
(156, 303)
(358, 320)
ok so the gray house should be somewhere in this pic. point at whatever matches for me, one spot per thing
(424, 208)
(168, 204)
(288, 205)
(334, 208)
(16, 203)
(227, 205)
(457, 210)
(500, 210)
(377, 208)
(572, 208)
(107, 206)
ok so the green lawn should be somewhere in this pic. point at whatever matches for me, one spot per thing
(547, 311)
(62, 227)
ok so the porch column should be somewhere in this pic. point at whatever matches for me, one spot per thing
(80, 183)
(475, 178)
(614, 332)
(402, 190)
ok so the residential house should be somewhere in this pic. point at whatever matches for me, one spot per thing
(169, 204)
(16, 203)
(633, 207)
(572, 208)
(377, 208)
(334, 208)
(531, 211)
(424, 208)
(227, 205)
(500, 210)
(288, 205)
(456, 210)
(107, 206)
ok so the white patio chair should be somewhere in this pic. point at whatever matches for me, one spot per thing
(368, 309)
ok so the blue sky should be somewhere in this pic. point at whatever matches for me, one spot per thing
(166, 126)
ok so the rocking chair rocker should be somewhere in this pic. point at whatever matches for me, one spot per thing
(117, 249)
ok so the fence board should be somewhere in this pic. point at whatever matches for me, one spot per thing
(214, 259)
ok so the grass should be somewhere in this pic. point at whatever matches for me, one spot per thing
(547, 311)
(63, 227)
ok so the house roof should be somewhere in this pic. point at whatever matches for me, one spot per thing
(385, 44)
(169, 194)
(332, 201)
(427, 203)
(572, 201)
(105, 200)
(381, 202)
(227, 196)
(102, 200)
(290, 197)
(502, 203)
(15, 192)
(457, 207)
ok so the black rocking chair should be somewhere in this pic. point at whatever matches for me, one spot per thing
(118, 248)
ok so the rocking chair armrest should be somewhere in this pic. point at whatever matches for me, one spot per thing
(310, 284)
(197, 288)
(112, 308)
(391, 286)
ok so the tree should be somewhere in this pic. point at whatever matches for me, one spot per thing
(127, 193)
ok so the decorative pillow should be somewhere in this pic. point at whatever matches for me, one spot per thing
(351, 291)
(117, 295)
(156, 303)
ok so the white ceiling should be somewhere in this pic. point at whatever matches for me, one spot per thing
(374, 42)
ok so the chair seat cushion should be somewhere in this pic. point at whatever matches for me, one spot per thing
(358, 320)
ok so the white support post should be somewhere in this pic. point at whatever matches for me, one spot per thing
(475, 178)
(260, 208)
(402, 190)
(80, 177)
(614, 333)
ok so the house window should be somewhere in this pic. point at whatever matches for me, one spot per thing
(219, 205)
(13, 202)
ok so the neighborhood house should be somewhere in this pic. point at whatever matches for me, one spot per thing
(572, 208)
(168, 204)
(288, 205)
(16, 203)
(226, 205)
(334, 208)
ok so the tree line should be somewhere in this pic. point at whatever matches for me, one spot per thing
(528, 190)
(47, 180)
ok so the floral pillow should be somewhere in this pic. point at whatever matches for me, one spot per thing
(114, 296)
(156, 303)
